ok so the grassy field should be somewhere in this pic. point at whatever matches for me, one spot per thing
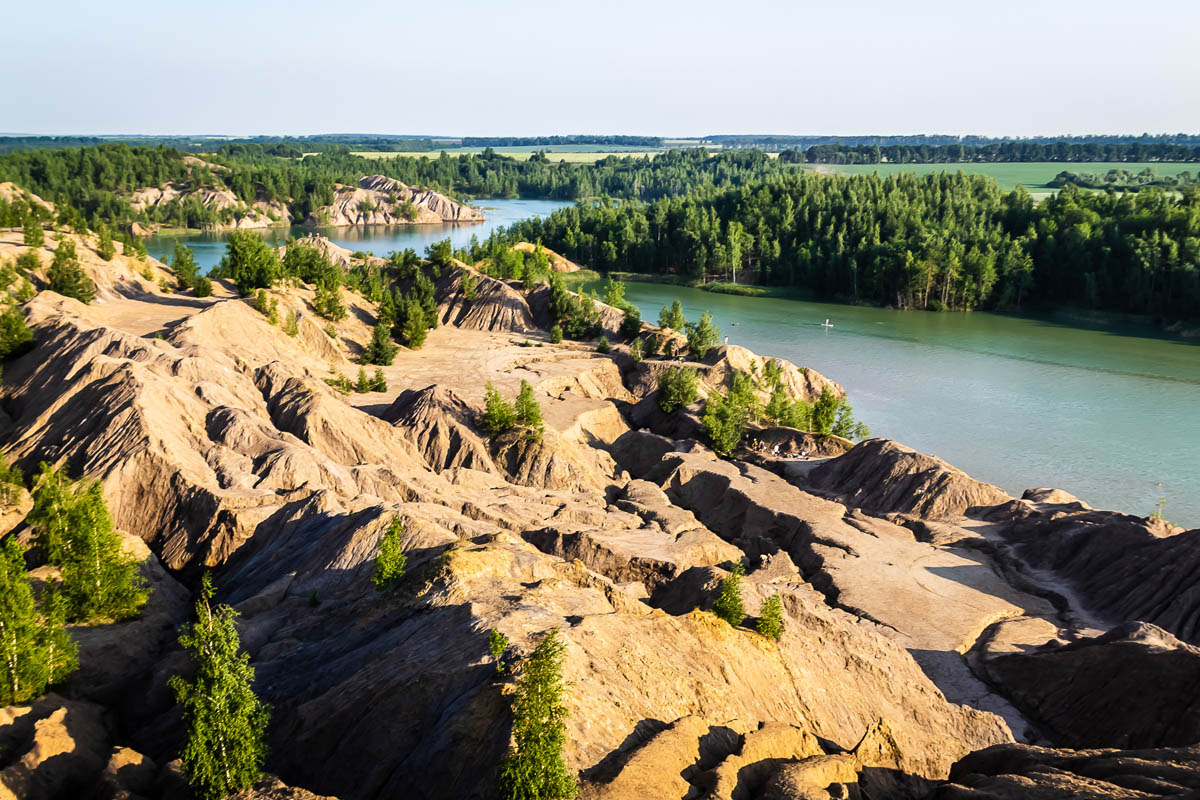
(1033, 176)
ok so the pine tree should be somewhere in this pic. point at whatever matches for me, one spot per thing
(291, 324)
(415, 329)
(381, 350)
(106, 248)
(702, 336)
(498, 415)
(528, 412)
(50, 518)
(34, 648)
(15, 334)
(66, 276)
(770, 618)
(33, 233)
(636, 350)
(672, 317)
(556, 334)
(184, 263)
(390, 560)
(535, 769)
(362, 385)
(328, 302)
(378, 382)
(226, 723)
(728, 605)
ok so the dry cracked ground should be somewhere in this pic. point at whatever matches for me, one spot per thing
(942, 639)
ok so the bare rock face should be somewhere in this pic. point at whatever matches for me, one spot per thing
(379, 200)
(1119, 566)
(54, 748)
(1133, 687)
(496, 306)
(882, 476)
(440, 424)
(1023, 772)
(271, 788)
(558, 263)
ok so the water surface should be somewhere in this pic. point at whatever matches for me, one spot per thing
(1111, 416)
(378, 239)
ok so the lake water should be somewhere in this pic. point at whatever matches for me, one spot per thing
(379, 239)
(1111, 416)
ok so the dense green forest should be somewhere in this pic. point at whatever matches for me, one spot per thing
(1015, 151)
(938, 241)
(97, 180)
(561, 141)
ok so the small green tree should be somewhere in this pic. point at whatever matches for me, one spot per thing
(15, 334)
(184, 263)
(106, 249)
(414, 330)
(702, 336)
(378, 382)
(226, 723)
(202, 287)
(535, 768)
(249, 262)
(390, 561)
(636, 351)
(498, 414)
(528, 412)
(497, 645)
(470, 287)
(770, 618)
(381, 350)
(824, 413)
(672, 317)
(728, 605)
(66, 276)
(556, 334)
(724, 422)
(100, 580)
(602, 345)
(34, 648)
(328, 302)
(676, 388)
(631, 324)
(363, 384)
(291, 324)
(33, 234)
(846, 426)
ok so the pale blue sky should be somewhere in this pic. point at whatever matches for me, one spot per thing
(466, 67)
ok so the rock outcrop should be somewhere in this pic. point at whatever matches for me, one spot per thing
(379, 200)
(882, 476)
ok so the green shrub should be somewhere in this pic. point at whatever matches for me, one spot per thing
(672, 317)
(602, 345)
(728, 605)
(770, 618)
(535, 768)
(528, 412)
(556, 334)
(66, 276)
(390, 560)
(676, 388)
(498, 415)
(702, 336)
(382, 350)
(497, 645)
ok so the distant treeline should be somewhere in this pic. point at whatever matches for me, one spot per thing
(1124, 180)
(541, 141)
(939, 241)
(776, 143)
(321, 143)
(1020, 151)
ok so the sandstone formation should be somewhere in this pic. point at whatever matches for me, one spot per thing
(234, 212)
(926, 615)
(378, 200)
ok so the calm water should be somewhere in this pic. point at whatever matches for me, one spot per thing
(1112, 417)
(379, 239)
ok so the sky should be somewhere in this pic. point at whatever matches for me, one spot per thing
(500, 68)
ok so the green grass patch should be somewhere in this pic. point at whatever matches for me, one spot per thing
(743, 290)
(1034, 176)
